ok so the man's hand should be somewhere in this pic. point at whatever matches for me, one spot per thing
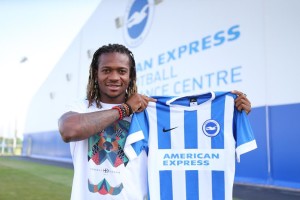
(139, 102)
(241, 102)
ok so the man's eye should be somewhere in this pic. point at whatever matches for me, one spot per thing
(122, 71)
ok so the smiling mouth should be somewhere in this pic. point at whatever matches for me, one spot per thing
(113, 86)
(110, 85)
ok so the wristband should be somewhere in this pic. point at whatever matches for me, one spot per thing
(124, 110)
(119, 110)
(129, 108)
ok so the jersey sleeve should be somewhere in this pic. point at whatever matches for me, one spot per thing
(138, 135)
(243, 133)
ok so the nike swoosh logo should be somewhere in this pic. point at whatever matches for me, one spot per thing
(167, 130)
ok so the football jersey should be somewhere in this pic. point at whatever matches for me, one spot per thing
(192, 143)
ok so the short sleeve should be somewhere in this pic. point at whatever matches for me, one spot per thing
(76, 106)
(138, 135)
(244, 137)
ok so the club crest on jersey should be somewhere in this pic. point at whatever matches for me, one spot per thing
(211, 128)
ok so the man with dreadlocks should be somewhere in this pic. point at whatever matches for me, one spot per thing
(97, 129)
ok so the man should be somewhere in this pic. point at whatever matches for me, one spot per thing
(97, 129)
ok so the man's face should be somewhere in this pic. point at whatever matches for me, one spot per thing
(113, 77)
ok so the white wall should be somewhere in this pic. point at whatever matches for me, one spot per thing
(263, 57)
(282, 46)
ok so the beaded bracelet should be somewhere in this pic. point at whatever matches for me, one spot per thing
(129, 108)
(124, 114)
(123, 111)
(126, 109)
(119, 110)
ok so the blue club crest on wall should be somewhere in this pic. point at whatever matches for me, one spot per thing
(137, 21)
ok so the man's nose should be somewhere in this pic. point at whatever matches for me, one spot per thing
(114, 75)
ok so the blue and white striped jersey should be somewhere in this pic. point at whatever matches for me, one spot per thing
(192, 143)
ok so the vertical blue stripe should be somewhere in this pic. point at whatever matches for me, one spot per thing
(166, 189)
(192, 185)
(191, 142)
(190, 130)
(218, 185)
(163, 121)
(217, 114)
(217, 142)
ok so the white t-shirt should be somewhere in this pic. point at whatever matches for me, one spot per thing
(101, 169)
(193, 142)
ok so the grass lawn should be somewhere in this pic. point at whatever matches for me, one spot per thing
(32, 181)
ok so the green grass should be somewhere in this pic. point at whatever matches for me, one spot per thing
(32, 181)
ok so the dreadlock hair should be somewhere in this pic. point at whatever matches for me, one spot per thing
(93, 93)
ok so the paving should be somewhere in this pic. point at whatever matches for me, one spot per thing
(252, 192)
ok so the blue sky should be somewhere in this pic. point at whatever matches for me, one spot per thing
(40, 31)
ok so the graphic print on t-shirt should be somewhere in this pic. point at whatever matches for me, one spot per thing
(104, 188)
(108, 145)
